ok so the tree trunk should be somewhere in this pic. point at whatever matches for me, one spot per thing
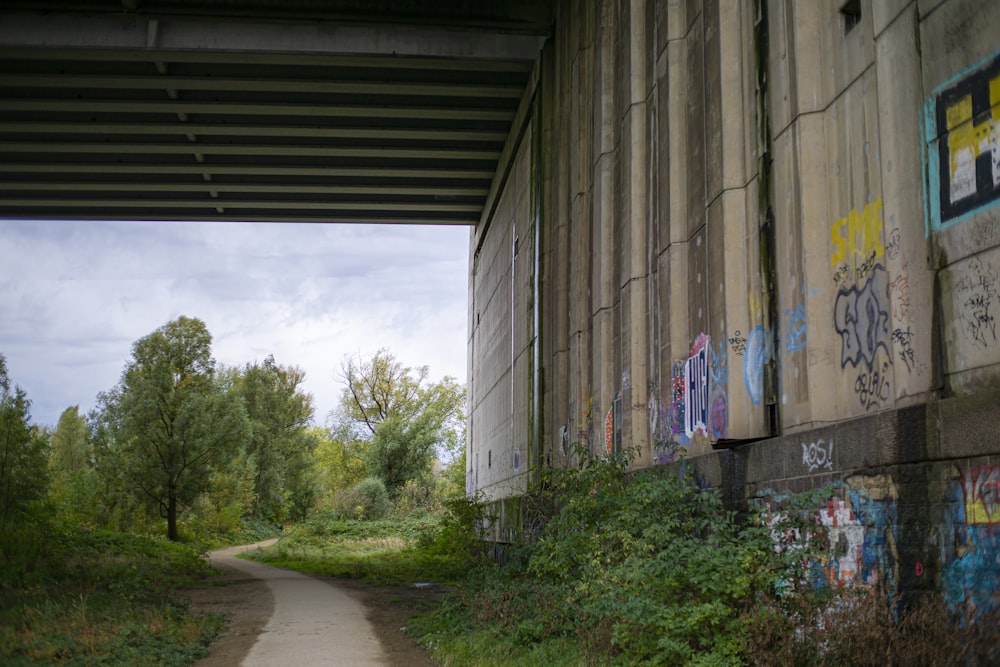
(172, 518)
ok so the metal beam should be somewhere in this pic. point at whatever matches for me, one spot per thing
(373, 173)
(256, 85)
(236, 34)
(166, 204)
(457, 153)
(49, 128)
(254, 109)
(371, 190)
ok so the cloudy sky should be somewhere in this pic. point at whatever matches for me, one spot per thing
(74, 296)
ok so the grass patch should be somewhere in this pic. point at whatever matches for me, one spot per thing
(387, 552)
(100, 598)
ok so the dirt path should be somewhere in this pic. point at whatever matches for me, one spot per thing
(280, 617)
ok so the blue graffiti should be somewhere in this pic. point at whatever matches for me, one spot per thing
(754, 359)
(720, 364)
(879, 519)
(795, 322)
(970, 573)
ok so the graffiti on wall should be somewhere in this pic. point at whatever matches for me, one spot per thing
(962, 132)
(872, 387)
(858, 520)
(817, 455)
(900, 298)
(981, 493)
(696, 376)
(698, 402)
(794, 323)
(675, 410)
(859, 235)
(754, 359)
(903, 342)
(970, 554)
(738, 344)
(977, 292)
(861, 317)
(718, 396)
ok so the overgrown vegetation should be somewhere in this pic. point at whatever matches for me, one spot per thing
(208, 456)
(433, 544)
(649, 568)
(78, 596)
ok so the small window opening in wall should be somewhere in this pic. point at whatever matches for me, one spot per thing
(851, 11)
(489, 459)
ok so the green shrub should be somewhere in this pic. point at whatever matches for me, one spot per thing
(635, 568)
(373, 498)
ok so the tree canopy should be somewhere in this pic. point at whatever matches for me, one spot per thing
(23, 463)
(281, 445)
(167, 424)
(397, 418)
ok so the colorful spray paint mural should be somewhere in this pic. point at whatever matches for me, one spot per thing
(970, 549)
(858, 520)
(962, 136)
(698, 402)
(696, 388)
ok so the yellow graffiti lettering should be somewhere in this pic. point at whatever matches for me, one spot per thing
(967, 140)
(864, 234)
(755, 304)
(839, 243)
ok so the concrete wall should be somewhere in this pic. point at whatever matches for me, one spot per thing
(769, 242)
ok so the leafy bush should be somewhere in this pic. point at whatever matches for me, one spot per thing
(368, 500)
(645, 568)
(458, 535)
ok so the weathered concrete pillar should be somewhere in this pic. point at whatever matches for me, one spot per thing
(557, 261)
(581, 135)
(637, 135)
(604, 200)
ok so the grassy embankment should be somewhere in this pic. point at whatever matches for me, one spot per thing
(75, 596)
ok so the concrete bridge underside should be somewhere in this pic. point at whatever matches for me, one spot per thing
(290, 110)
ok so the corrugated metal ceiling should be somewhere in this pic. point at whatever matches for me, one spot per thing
(258, 111)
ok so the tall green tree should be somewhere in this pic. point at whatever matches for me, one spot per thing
(168, 425)
(401, 420)
(24, 480)
(281, 445)
(70, 446)
(74, 486)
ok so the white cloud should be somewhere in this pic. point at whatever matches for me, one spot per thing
(76, 295)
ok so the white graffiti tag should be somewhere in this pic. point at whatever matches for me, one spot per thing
(818, 454)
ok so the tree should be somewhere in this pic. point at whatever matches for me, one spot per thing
(24, 481)
(280, 445)
(339, 465)
(74, 487)
(167, 424)
(69, 443)
(401, 419)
